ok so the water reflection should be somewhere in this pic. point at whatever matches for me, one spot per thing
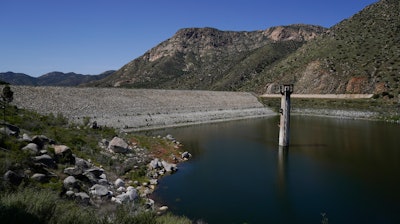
(282, 168)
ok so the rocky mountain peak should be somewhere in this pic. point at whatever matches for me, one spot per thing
(203, 40)
(204, 58)
(297, 32)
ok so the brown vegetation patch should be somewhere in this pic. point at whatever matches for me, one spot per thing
(357, 85)
(158, 147)
(380, 88)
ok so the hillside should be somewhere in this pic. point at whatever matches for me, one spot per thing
(68, 79)
(51, 78)
(17, 78)
(358, 55)
(207, 58)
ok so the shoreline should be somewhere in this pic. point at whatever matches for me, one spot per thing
(209, 117)
(345, 114)
(334, 113)
(130, 110)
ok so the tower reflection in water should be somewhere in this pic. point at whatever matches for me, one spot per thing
(282, 168)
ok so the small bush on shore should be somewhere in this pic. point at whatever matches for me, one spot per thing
(170, 218)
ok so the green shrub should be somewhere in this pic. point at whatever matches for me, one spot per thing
(70, 213)
(127, 214)
(29, 204)
(86, 121)
(11, 155)
(138, 174)
(172, 219)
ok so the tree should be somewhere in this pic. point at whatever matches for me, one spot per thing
(7, 97)
(7, 94)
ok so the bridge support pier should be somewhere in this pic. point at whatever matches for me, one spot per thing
(284, 125)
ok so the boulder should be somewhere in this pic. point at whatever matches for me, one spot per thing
(104, 143)
(45, 160)
(70, 182)
(149, 203)
(155, 164)
(169, 167)
(162, 210)
(186, 155)
(103, 176)
(130, 195)
(70, 194)
(73, 171)
(121, 189)
(31, 147)
(12, 177)
(121, 198)
(103, 182)
(91, 178)
(82, 164)
(99, 190)
(41, 140)
(170, 137)
(153, 181)
(40, 177)
(62, 150)
(82, 197)
(118, 145)
(119, 183)
(26, 138)
(97, 172)
(63, 154)
(9, 129)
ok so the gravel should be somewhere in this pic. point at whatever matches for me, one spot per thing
(347, 114)
(140, 109)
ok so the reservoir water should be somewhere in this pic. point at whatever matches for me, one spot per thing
(347, 169)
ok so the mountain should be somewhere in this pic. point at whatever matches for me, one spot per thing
(68, 79)
(52, 78)
(17, 78)
(207, 58)
(360, 54)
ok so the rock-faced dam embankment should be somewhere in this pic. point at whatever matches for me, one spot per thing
(139, 109)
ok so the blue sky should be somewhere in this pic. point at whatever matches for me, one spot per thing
(92, 36)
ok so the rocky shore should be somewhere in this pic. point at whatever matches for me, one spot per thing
(88, 182)
(140, 109)
(127, 110)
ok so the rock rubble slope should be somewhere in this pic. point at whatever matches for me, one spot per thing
(139, 109)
